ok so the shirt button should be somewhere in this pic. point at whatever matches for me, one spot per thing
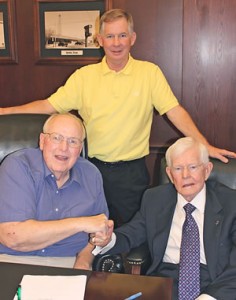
(56, 209)
(43, 250)
(57, 192)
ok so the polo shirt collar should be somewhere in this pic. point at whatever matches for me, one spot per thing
(126, 70)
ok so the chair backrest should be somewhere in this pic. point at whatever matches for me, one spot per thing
(19, 131)
(223, 173)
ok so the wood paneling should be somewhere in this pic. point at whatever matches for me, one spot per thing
(209, 64)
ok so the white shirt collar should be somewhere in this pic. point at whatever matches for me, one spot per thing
(198, 201)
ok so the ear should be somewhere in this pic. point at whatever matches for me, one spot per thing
(133, 38)
(100, 40)
(80, 149)
(208, 169)
(41, 141)
(168, 172)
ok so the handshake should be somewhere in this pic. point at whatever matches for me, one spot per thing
(103, 229)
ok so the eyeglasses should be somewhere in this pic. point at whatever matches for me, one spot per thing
(57, 138)
(191, 168)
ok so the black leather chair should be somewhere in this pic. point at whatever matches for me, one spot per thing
(19, 131)
(139, 258)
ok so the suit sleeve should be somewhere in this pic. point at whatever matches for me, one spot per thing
(132, 234)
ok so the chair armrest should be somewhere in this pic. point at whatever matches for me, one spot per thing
(108, 263)
(139, 259)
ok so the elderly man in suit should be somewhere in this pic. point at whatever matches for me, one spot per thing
(162, 218)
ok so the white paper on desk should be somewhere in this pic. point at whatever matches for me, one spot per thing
(37, 287)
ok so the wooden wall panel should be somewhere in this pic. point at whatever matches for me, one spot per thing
(209, 68)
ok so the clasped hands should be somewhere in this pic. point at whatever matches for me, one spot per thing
(102, 237)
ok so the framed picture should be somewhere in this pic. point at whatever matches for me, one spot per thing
(65, 31)
(7, 32)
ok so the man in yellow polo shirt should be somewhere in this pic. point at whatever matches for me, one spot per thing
(116, 99)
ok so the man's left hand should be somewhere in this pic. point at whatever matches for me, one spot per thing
(220, 154)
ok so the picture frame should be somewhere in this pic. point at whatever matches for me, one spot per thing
(65, 31)
(8, 51)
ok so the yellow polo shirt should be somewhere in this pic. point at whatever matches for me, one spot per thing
(117, 107)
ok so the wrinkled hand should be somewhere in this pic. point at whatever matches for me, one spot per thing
(102, 238)
(95, 223)
(220, 154)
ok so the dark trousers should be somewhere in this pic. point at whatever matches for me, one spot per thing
(124, 184)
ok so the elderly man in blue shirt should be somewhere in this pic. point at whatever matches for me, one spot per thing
(51, 199)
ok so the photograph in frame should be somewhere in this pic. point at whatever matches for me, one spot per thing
(8, 54)
(71, 29)
(2, 35)
(66, 31)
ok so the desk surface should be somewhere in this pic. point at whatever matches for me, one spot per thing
(100, 285)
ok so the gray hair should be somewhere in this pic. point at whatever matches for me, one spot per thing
(80, 122)
(115, 14)
(183, 144)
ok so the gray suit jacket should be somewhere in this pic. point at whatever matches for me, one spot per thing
(153, 222)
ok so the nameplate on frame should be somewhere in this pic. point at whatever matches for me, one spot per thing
(72, 52)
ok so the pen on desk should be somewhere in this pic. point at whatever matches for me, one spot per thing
(134, 296)
(18, 292)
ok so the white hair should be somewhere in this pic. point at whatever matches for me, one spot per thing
(183, 144)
